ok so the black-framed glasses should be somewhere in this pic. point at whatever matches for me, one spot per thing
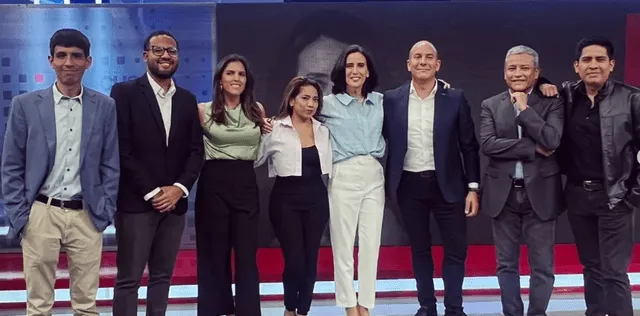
(159, 51)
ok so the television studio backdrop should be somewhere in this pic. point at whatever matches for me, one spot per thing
(281, 40)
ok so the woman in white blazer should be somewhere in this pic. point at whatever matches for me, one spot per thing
(298, 152)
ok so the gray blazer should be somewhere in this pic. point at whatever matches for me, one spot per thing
(29, 152)
(542, 123)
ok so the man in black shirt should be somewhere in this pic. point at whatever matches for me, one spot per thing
(598, 155)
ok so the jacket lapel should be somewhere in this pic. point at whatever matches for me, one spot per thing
(152, 102)
(507, 113)
(89, 110)
(403, 112)
(534, 100)
(440, 104)
(175, 103)
(48, 121)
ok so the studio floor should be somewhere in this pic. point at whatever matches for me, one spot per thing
(560, 305)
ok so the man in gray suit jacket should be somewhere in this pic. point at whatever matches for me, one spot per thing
(60, 173)
(522, 188)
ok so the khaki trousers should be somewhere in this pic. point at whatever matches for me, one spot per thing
(49, 230)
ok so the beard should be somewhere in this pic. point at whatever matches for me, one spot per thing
(154, 69)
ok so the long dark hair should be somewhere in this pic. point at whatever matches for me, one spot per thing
(339, 77)
(291, 92)
(249, 106)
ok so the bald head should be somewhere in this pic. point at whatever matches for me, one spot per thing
(421, 44)
(423, 62)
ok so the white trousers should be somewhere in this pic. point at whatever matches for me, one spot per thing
(356, 198)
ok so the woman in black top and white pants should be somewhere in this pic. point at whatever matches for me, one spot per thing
(298, 152)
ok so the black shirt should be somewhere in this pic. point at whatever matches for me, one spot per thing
(584, 142)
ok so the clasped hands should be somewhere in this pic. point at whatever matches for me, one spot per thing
(166, 199)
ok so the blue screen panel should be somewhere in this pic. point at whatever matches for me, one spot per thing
(117, 34)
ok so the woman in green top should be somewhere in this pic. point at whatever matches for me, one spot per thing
(227, 197)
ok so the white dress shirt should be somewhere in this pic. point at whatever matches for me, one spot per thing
(283, 150)
(420, 142)
(164, 99)
(419, 156)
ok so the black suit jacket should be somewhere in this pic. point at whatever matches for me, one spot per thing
(542, 124)
(455, 144)
(146, 161)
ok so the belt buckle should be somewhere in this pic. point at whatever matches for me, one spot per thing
(589, 185)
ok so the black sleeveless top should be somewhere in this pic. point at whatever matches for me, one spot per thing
(311, 162)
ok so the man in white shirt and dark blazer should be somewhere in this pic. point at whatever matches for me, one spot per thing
(161, 152)
(432, 168)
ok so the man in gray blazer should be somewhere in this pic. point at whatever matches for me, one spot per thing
(60, 173)
(522, 188)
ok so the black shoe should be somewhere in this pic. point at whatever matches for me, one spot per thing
(423, 311)
(455, 313)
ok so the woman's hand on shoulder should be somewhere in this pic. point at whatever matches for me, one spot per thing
(267, 122)
(267, 125)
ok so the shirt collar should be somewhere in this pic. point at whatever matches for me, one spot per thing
(57, 95)
(346, 99)
(287, 122)
(604, 90)
(412, 89)
(158, 90)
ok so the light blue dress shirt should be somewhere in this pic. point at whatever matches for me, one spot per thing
(64, 180)
(519, 173)
(355, 127)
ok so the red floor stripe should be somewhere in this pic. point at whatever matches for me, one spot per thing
(395, 263)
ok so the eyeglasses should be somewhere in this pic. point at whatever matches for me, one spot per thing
(159, 51)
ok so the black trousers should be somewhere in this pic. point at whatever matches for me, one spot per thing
(149, 238)
(419, 196)
(299, 212)
(604, 238)
(516, 223)
(227, 218)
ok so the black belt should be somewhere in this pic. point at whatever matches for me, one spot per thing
(589, 185)
(70, 205)
(517, 183)
(424, 174)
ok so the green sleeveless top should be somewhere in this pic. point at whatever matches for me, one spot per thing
(238, 140)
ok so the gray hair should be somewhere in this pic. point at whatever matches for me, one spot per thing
(521, 49)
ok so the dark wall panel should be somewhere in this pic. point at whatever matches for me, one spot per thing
(283, 40)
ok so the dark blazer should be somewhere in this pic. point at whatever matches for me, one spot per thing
(146, 160)
(455, 145)
(29, 154)
(542, 123)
